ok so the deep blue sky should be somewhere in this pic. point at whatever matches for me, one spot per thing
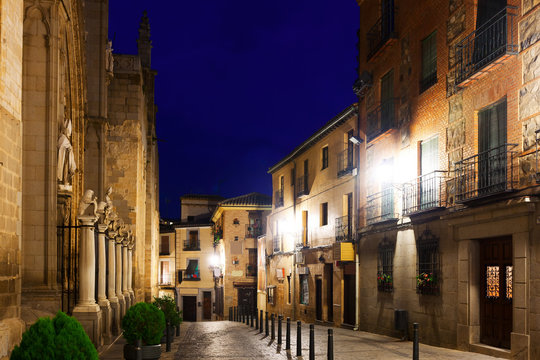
(240, 84)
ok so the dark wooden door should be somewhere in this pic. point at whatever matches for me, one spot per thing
(349, 313)
(496, 292)
(329, 275)
(189, 308)
(247, 300)
(207, 305)
(318, 298)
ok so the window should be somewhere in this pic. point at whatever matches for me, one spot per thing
(429, 62)
(324, 157)
(304, 290)
(324, 214)
(164, 276)
(192, 271)
(428, 274)
(385, 265)
(236, 238)
(293, 176)
(387, 101)
(271, 295)
(429, 189)
(304, 228)
(192, 242)
(164, 246)
(251, 267)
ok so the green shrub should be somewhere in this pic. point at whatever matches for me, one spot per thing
(168, 306)
(143, 321)
(63, 337)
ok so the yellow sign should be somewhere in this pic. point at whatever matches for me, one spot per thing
(343, 251)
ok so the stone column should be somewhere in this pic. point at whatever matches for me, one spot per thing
(111, 288)
(125, 292)
(87, 311)
(118, 281)
(130, 272)
(103, 302)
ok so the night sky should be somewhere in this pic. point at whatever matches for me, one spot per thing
(240, 84)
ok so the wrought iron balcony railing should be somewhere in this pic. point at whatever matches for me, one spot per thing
(485, 47)
(484, 174)
(381, 207)
(344, 228)
(195, 276)
(381, 119)
(253, 231)
(302, 185)
(278, 198)
(383, 30)
(424, 193)
(191, 245)
(251, 270)
(346, 162)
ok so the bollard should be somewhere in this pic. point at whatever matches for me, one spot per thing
(280, 318)
(261, 322)
(266, 324)
(273, 327)
(288, 335)
(251, 318)
(138, 349)
(298, 338)
(330, 353)
(256, 319)
(311, 342)
(415, 352)
(167, 338)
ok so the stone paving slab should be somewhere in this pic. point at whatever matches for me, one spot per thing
(225, 340)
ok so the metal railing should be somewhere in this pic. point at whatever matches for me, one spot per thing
(381, 207)
(345, 162)
(344, 228)
(251, 270)
(383, 30)
(486, 44)
(486, 173)
(191, 244)
(253, 231)
(278, 198)
(302, 185)
(195, 276)
(381, 119)
(276, 242)
(424, 193)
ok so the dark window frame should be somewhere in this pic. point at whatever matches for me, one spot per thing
(428, 71)
(324, 157)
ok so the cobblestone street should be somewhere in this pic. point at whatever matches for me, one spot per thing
(231, 340)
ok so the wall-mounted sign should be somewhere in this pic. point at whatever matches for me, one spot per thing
(280, 273)
(237, 273)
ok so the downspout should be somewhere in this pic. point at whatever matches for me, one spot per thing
(357, 217)
(293, 268)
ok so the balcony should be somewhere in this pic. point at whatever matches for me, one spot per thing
(278, 198)
(383, 33)
(486, 47)
(424, 193)
(381, 119)
(253, 230)
(345, 162)
(343, 228)
(488, 173)
(302, 186)
(381, 207)
(251, 270)
(192, 245)
(193, 276)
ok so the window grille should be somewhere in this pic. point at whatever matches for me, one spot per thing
(385, 265)
(304, 290)
(428, 271)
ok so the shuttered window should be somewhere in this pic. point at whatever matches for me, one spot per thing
(429, 62)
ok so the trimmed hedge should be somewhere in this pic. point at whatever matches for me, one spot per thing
(63, 337)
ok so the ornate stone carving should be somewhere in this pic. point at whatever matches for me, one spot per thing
(529, 99)
(87, 200)
(109, 58)
(455, 108)
(531, 64)
(66, 159)
(453, 157)
(527, 170)
(455, 135)
(529, 136)
(454, 4)
(451, 88)
(455, 25)
(405, 135)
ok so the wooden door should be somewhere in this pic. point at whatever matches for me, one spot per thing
(349, 311)
(189, 308)
(318, 298)
(207, 305)
(496, 291)
(247, 300)
(329, 278)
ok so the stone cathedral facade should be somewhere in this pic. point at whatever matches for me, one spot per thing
(79, 218)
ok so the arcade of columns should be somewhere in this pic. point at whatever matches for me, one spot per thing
(101, 317)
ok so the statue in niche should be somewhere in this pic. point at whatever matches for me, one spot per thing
(109, 59)
(105, 208)
(66, 159)
(87, 200)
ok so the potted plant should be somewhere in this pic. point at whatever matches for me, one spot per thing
(144, 322)
(384, 282)
(426, 283)
(63, 337)
(173, 317)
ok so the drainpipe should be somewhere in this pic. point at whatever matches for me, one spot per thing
(293, 268)
(357, 217)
